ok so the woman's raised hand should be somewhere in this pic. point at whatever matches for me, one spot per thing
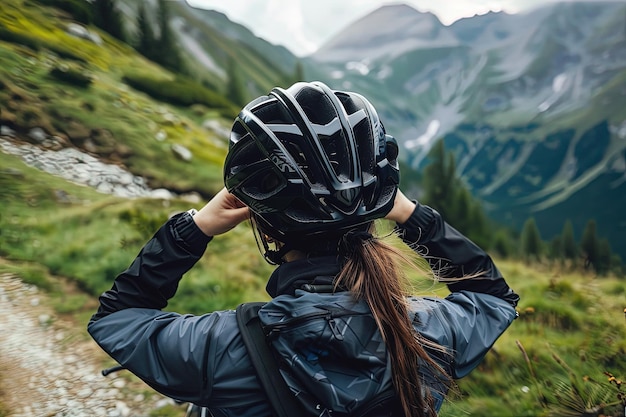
(222, 213)
(402, 208)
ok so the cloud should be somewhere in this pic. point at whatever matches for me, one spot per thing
(304, 25)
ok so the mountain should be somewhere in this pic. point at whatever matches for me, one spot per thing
(213, 45)
(533, 105)
(410, 30)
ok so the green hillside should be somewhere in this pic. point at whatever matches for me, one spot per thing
(112, 121)
(552, 362)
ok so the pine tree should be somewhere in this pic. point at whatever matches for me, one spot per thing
(460, 211)
(299, 72)
(531, 240)
(556, 249)
(236, 91)
(502, 245)
(146, 40)
(440, 182)
(603, 261)
(161, 49)
(447, 194)
(589, 245)
(108, 18)
(569, 247)
(168, 54)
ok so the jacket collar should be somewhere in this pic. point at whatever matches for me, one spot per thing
(290, 276)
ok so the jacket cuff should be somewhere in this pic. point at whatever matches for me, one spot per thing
(421, 220)
(187, 233)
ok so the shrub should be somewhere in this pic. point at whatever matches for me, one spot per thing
(79, 9)
(556, 315)
(63, 52)
(181, 92)
(72, 76)
(19, 38)
(36, 44)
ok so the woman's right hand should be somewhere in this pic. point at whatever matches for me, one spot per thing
(221, 213)
(402, 208)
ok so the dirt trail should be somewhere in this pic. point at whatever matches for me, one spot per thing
(49, 368)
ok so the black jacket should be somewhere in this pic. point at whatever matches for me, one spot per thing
(202, 359)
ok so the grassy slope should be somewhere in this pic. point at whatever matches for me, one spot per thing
(96, 236)
(571, 328)
(129, 119)
(573, 316)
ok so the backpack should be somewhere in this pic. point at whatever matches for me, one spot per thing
(283, 400)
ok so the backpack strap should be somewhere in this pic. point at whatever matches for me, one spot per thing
(281, 398)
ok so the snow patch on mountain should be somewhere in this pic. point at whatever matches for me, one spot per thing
(426, 139)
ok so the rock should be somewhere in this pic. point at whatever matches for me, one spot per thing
(215, 126)
(79, 167)
(182, 152)
(161, 193)
(192, 198)
(44, 319)
(161, 135)
(119, 383)
(95, 38)
(7, 131)
(170, 119)
(82, 32)
(77, 30)
(63, 197)
(37, 134)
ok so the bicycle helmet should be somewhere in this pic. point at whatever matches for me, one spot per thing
(311, 161)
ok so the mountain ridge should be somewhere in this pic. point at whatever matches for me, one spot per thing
(411, 29)
(498, 95)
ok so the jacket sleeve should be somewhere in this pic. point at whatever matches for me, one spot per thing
(153, 277)
(453, 257)
(481, 305)
(200, 359)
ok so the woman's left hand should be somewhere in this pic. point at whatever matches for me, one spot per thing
(222, 213)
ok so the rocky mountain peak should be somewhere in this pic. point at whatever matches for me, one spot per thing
(388, 31)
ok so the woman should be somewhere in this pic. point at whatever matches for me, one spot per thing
(312, 168)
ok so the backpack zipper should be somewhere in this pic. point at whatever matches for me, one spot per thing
(328, 316)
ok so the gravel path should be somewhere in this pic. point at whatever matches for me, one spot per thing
(49, 368)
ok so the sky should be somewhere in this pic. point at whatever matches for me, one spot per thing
(304, 25)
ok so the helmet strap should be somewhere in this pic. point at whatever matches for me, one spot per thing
(273, 257)
(276, 256)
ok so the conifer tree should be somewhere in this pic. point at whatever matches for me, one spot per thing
(146, 40)
(168, 54)
(531, 240)
(236, 91)
(460, 210)
(502, 243)
(589, 244)
(568, 243)
(299, 72)
(108, 18)
(603, 261)
(440, 182)
(556, 249)
(448, 195)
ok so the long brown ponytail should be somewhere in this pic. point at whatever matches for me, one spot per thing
(372, 272)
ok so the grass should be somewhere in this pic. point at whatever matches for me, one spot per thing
(97, 237)
(127, 121)
(569, 333)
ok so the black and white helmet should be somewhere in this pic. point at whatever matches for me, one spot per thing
(309, 160)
